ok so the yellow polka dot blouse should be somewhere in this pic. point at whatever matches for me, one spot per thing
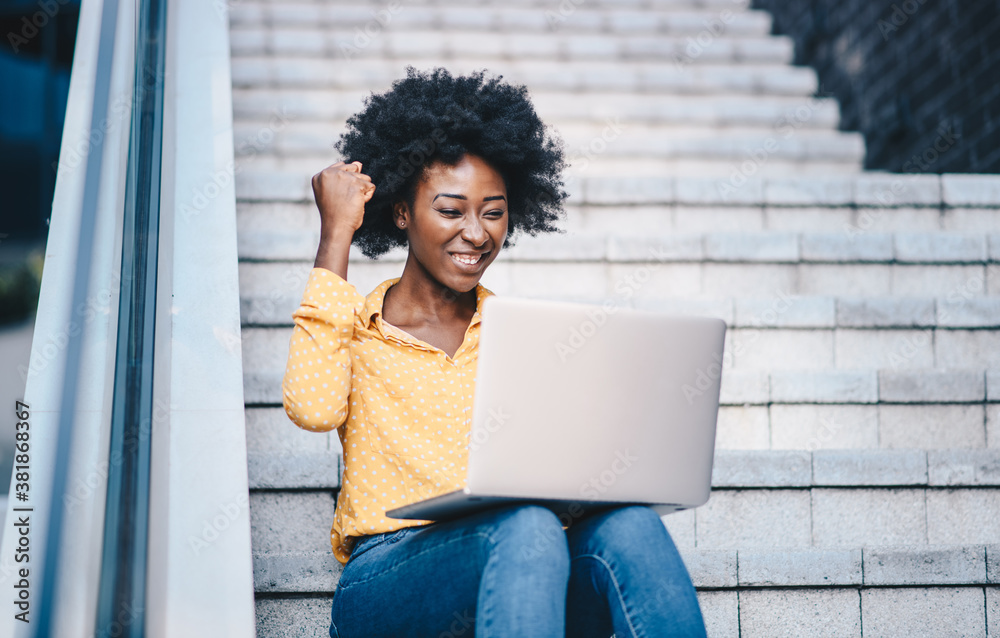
(402, 407)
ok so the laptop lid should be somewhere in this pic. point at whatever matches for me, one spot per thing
(581, 401)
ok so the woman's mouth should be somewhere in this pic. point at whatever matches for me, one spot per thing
(469, 262)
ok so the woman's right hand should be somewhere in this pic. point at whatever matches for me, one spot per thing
(341, 191)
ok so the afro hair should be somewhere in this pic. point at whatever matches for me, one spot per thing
(431, 116)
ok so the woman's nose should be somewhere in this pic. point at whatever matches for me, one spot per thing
(473, 231)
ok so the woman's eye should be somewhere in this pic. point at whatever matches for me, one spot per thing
(451, 211)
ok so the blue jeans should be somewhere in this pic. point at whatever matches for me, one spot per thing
(514, 571)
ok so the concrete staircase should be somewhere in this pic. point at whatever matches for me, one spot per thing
(858, 466)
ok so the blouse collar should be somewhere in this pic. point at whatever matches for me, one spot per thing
(373, 303)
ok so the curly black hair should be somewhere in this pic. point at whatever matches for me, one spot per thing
(431, 116)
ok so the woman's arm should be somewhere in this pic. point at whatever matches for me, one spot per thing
(341, 192)
(334, 249)
(316, 387)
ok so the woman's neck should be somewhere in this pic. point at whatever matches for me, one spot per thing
(418, 301)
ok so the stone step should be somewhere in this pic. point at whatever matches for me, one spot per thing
(271, 293)
(271, 470)
(604, 5)
(860, 386)
(877, 193)
(843, 517)
(945, 248)
(883, 292)
(834, 411)
(856, 468)
(646, 281)
(266, 109)
(414, 42)
(733, 518)
(289, 231)
(312, 143)
(652, 77)
(765, 372)
(261, 177)
(281, 456)
(750, 612)
(294, 616)
(706, 22)
(296, 572)
(850, 357)
(916, 423)
(266, 176)
(882, 611)
(822, 568)
(762, 410)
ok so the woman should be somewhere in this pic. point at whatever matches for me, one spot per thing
(452, 165)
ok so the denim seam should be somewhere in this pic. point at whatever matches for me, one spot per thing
(409, 558)
(382, 541)
(486, 586)
(618, 589)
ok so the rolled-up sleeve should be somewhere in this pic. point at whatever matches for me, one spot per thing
(316, 387)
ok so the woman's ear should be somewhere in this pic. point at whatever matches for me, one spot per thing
(400, 214)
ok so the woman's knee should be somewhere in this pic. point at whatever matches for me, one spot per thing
(532, 534)
(632, 526)
(634, 519)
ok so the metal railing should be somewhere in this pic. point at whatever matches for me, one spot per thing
(134, 396)
(122, 591)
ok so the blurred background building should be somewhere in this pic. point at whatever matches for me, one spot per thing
(36, 54)
(910, 75)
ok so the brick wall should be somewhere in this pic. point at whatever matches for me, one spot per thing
(919, 78)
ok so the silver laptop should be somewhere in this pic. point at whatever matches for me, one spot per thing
(581, 406)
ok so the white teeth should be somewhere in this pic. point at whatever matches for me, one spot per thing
(466, 260)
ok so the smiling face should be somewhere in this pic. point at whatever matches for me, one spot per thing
(458, 222)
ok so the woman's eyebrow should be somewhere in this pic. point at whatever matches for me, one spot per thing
(485, 199)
